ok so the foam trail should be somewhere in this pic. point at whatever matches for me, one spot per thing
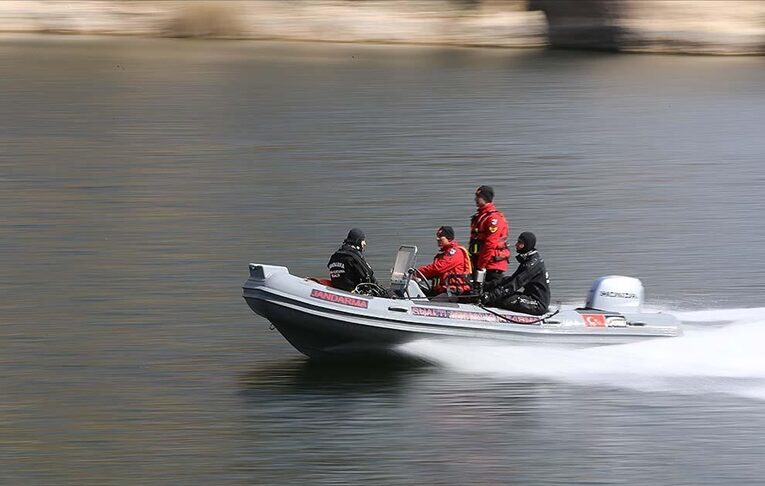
(721, 315)
(725, 359)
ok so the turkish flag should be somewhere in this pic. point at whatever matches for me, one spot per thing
(594, 320)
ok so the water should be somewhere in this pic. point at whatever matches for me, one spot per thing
(139, 177)
(708, 360)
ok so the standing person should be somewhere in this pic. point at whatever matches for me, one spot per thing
(347, 266)
(531, 277)
(451, 266)
(488, 236)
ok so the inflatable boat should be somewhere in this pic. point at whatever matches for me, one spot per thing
(324, 322)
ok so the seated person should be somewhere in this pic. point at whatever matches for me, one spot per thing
(528, 289)
(347, 266)
(450, 266)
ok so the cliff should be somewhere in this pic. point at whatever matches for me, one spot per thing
(497, 23)
(679, 26)
(672, 26)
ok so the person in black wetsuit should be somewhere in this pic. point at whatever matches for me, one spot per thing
(528, 289)
(347, 266)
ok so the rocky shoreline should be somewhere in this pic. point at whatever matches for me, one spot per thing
(715, 27)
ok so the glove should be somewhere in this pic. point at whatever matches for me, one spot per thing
(490, 286)
(493, 296)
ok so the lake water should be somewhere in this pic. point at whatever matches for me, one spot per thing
(138, 178)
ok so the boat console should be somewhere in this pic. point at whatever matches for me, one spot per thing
(401, 283)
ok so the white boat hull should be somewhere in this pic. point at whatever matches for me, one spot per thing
(324, 322)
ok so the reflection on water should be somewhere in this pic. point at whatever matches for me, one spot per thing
(399, 426)
(356, 423)
(304, 377)
(138, 178)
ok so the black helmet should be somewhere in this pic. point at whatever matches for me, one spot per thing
(529, 241)
(355, 237)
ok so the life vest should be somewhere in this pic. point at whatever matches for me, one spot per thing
(457, 283)
(476, 239)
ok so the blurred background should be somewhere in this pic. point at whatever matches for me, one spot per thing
(150, 150)
(680, 26)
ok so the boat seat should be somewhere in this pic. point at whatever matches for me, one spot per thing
(322, 281)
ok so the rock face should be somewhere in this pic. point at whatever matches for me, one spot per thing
(697, 27)
(679, 26)
(587, 24)
(502, 23)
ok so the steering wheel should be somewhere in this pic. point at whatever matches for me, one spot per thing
(422, 282)
(369, 288)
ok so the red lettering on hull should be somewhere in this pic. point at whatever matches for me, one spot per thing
(472, 316)
(339, 299)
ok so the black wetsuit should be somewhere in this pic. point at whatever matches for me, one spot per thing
(532, 277)
(348, 268)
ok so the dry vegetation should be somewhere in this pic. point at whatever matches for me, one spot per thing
(206, 19)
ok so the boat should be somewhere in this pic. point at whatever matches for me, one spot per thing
(325, 322)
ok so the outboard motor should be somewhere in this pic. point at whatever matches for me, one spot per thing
(616, 293)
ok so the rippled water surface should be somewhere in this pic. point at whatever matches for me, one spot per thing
(138, 178)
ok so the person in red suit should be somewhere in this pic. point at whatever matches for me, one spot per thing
(488, 236)
(451, 266)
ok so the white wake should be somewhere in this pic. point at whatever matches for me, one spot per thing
(721, 352)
